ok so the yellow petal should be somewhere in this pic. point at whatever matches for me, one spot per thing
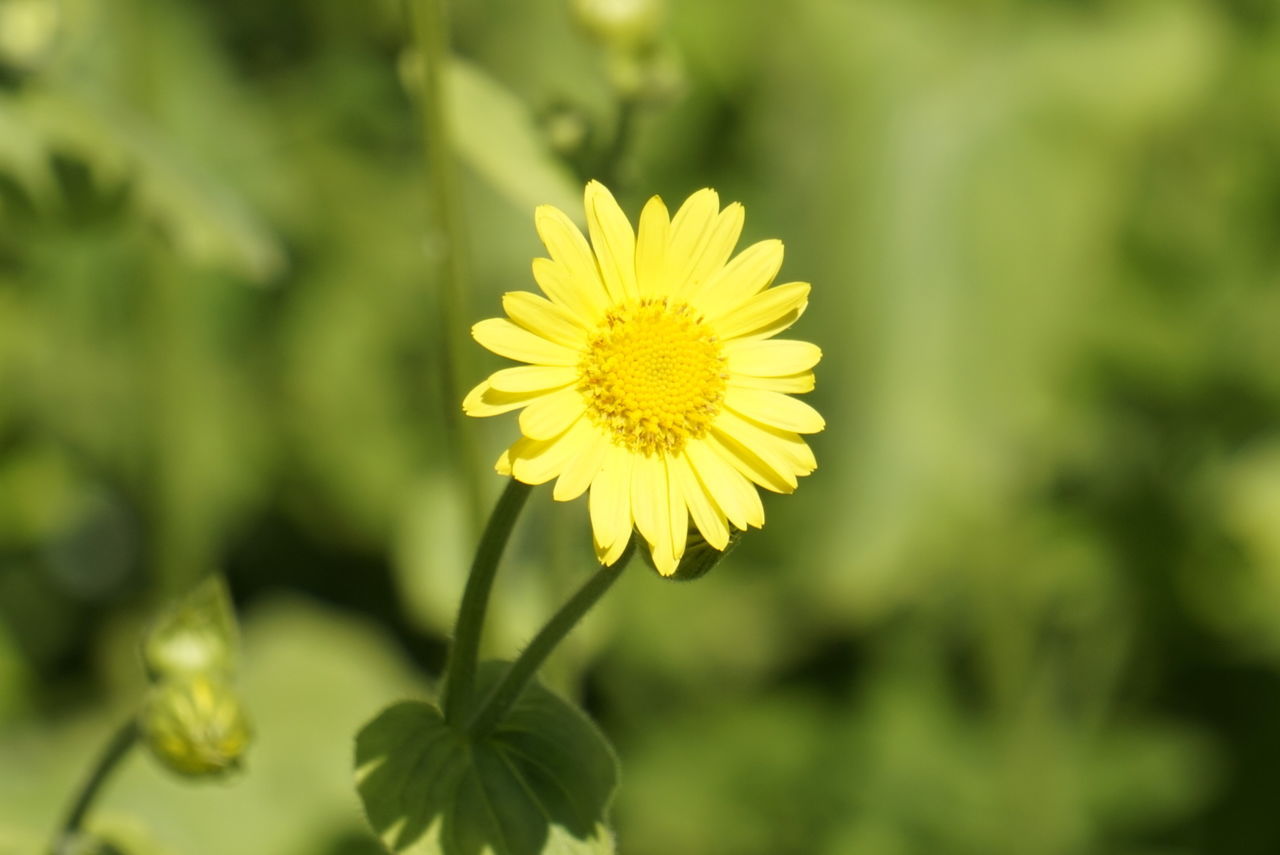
(543, 317)
(772, 474)
(609, 504)
(770, 408)
(769, 442)
(772, 357)
(791, 384)
(582, 467)
(485, 400)
(764, 314)
(727, 487)
(706, 516)
(613, 240)
(550, 415)
(750, 272)
(709, 257)
(678, 517)
(577, 277)
(506, 339)
(648, 506)
(533, 378)
(537, 461)
(587, 302)
(503, 465)
(690, 228)
(651, 248)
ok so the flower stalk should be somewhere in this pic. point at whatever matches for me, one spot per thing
(460, 671)
(507, 692)
(430, 37)
(114, 751)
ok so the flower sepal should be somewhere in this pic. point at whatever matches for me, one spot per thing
(699, 556)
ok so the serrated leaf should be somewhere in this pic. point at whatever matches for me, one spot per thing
(496, 136)
(540, 783)
(196, 635)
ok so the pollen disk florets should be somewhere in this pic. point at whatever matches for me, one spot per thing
(653, 375)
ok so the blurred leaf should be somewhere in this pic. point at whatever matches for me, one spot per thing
(206, 223)
(541, 783)
(497, 137)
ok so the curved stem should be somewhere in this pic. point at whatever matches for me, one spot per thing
(430, 35)
(116, 749)
(460, 672)
(505, 694)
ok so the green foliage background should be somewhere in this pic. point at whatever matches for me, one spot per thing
(1029, 602)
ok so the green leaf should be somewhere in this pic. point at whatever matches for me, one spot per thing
(497, 137)
(540, 783)
(204, 221)
(196, 635)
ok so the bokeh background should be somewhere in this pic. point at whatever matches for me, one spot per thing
(1029, 602)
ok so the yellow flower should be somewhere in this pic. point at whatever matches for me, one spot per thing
(653, 375)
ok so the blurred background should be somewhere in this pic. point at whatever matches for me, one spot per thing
(1028, 603)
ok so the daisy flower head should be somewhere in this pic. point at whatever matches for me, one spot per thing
(652, 374)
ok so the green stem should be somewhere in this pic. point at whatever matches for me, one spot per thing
(116, 749)
(460, 672)
(431, 37)
(505, 694)
(610, 169)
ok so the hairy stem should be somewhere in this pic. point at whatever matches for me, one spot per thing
(505, 694)
(460, 672)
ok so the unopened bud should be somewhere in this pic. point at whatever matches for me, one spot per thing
(28, 30)
(196, 635)
(197, 727)
(622, 24)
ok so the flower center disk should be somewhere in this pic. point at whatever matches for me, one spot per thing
(653, 375)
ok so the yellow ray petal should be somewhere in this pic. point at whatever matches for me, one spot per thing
(523, 379)
(557, 282)
(773, 443)
(609, 505)
(506, 339)
(727, 487)
(677, 517)
(485, 400)
(706, 516)
(764, 468)
(649, 492)
(770, 408)
(791, 384)
(764, 314)
(541, 316)
(749, 273)
(709, 257)
(613, 240)
(550, 415)
(537, 461)
(689, 230)
(572, 255)
(772, 357)
(651, 248)
(582, 467)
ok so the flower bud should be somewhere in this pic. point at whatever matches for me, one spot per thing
(196, 635)
(197, 726)
(622, 24)
(28, 30)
